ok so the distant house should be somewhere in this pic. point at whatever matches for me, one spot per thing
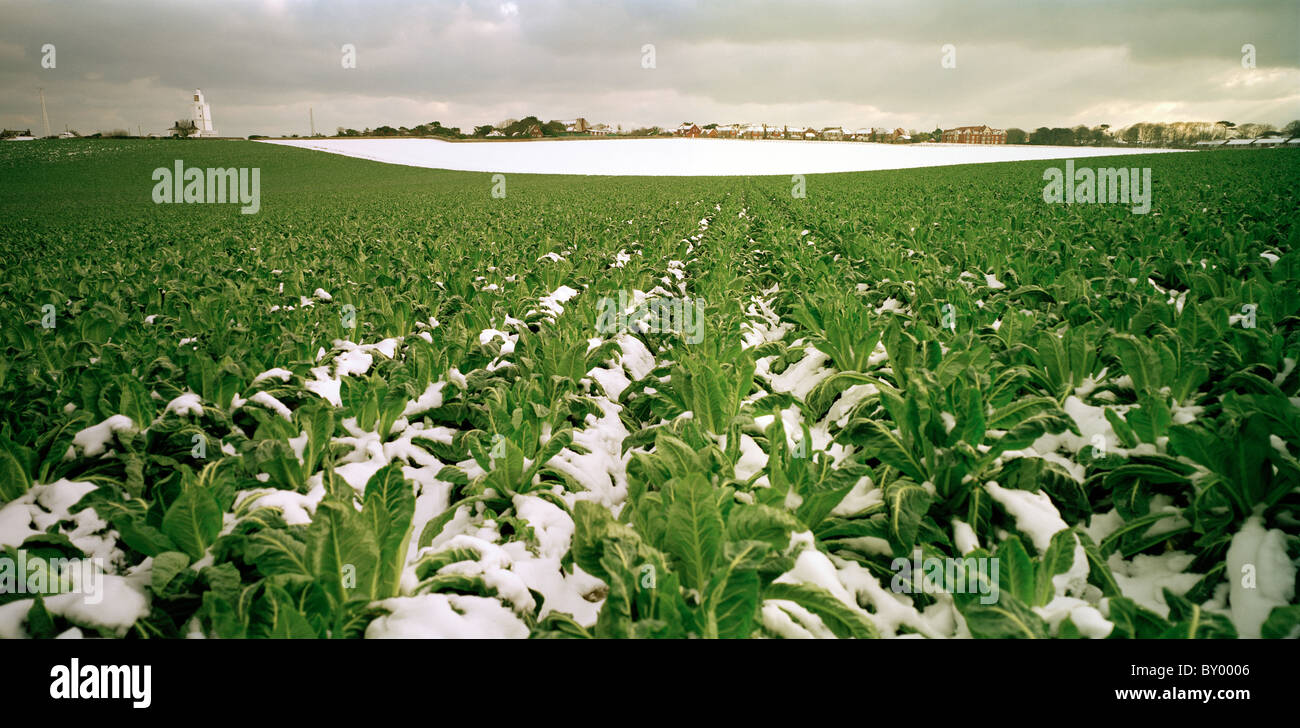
(1211, 143)
(687, 129)
(575, 126)
(15, 135)
(753, 131)
(902, 136)
(833, 133)
(982, 134)
(1270, 142)
(495, 133)
(599, 130)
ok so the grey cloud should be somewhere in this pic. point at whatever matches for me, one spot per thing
(1019, 63)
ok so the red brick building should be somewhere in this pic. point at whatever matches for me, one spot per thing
(975, 135)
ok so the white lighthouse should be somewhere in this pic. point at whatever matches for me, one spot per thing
(202, 116)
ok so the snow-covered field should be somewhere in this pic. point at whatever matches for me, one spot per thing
(686, 157)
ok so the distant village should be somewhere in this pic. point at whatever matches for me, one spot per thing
(1172, 134)
(808, 133)
(533, 128)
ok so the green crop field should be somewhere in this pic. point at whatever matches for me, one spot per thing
(392, 403)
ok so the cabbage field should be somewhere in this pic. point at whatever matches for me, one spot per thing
(403, 402)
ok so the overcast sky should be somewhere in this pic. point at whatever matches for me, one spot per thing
(798, 62)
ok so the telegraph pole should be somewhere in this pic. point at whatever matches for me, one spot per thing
(43, 114)
(312, 115)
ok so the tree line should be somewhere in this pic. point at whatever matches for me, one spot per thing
(1177, 132)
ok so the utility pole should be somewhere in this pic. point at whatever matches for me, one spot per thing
(312, 115)
(43, 114)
